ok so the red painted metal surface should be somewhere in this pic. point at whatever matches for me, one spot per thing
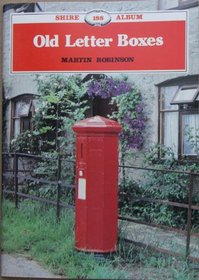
(96, 184)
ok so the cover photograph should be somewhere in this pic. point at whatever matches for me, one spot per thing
(100, 139)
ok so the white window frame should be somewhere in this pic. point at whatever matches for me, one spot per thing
(180, 109)
(176, 98)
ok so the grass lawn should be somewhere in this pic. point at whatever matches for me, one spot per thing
(32, 230)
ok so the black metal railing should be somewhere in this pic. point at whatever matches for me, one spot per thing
(189, 206)
(17, 174)
(58, 183)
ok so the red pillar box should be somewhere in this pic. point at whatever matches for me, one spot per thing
(96, 184)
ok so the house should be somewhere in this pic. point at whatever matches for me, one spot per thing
(172, 98)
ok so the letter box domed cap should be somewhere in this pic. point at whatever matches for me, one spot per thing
(97, 124)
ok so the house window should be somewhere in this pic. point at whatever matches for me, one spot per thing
(179, 119)
(186, 94)
(190, 124)
(169, 117)
(188, 3)
(21, 114)
(20, 8)
(177, 4)
(167, 4)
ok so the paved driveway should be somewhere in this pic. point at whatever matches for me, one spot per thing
(18, 266)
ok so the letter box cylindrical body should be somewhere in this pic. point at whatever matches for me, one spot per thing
(96, 184)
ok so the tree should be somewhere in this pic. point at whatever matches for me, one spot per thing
(59, 106)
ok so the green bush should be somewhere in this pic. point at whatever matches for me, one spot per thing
(160, 185)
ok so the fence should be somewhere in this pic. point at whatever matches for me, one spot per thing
(59, 184)
(189, 206)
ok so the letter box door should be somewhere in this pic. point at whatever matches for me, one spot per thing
(96, 184)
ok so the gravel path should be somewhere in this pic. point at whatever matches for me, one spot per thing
(19, 266)
(160, 238)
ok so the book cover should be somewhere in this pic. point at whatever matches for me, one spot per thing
(132, 62)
